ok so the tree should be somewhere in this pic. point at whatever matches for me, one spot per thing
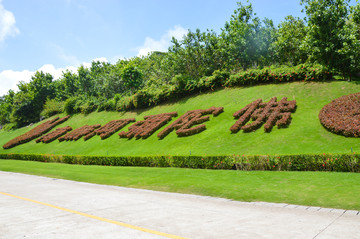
(245, 41)
(289, 40)
(196, 55)
(71, 84)
(236, 36)
(29, 101)
(99, 72)
(112, 84)
(326, 30)
(132, 77)
(85, 82)
(349, 58)
(23, 112)
(41, 88)
(6, 104)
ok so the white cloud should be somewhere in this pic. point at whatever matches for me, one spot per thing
(163, 44)
(9, 78)
(7, 24)
(55, 72)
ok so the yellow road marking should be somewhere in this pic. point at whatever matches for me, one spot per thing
(97, 218)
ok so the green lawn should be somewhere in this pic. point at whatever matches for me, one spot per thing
(305, 134)
(324, 189)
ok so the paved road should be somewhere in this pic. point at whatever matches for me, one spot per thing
(40, 207)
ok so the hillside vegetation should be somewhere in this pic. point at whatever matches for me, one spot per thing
(304, 135)
(247, 51)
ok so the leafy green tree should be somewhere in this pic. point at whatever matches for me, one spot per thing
(112, 83)
(348, 62)
(23, 109)
(326, 30)
(29, 101)
(85, 81)
(155, 68)
(132, 77)
(71, 84)
(99, 72)
(236, 36)
(6, 104)
(351, 45)
(246, 40)
(42, 88)
(187, 56)
(289, 40)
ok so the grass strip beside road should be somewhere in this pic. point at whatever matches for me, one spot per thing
(323, 189)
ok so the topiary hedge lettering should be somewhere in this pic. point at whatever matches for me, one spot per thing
(87, 131)
(342, 115)
(268, 113)
(113, 126)
(184, 125)
(35, 132)
(53, 135)
(145, 128)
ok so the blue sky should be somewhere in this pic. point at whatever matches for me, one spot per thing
(62, 34)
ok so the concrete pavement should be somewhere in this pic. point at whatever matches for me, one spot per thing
(40, 207)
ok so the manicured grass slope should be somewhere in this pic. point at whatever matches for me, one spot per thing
(324, 189)
(305, 134)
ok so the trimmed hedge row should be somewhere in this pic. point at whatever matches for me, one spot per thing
(48, 138)
(184, 125)
(113, 126)
(35, 132)
(269, 113)
(301, 162)
(342, 115)
(145, 128)
(87, 131)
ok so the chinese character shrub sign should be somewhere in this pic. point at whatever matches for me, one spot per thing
(185, 125)
(35, 132)
(249, 118)
(268, 113)
(151, 123)
(54, 135)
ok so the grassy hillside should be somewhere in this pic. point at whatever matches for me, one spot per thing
(305, 134)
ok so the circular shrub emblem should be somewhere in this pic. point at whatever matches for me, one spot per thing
(342, 116)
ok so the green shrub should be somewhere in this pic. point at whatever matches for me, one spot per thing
(182, 85)
(88, 106)
(109, 105)
(125, 103)
(9, 126)
(217, 79)
(302, 72)
(52, 107)
(69, 106)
